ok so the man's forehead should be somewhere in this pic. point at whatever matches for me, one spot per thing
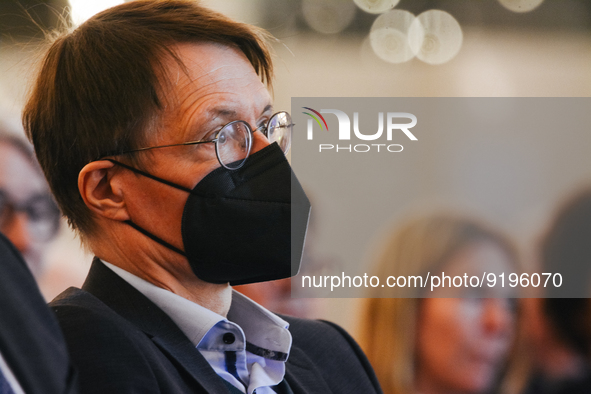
(206, 86)
(203, 63)
(205, 69)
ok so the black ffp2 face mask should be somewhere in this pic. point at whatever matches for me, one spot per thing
(243, 226)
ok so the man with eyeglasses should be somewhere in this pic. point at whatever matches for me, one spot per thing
(158, 137)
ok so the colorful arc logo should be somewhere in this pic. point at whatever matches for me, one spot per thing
(315, 118)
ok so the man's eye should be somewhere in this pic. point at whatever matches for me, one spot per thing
(222, 138)
(262, 125)
(211, 135)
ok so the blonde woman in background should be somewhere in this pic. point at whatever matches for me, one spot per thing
(441, 345)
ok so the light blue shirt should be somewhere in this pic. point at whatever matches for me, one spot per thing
(248, 349)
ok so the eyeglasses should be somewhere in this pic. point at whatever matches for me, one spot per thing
(42, 212)
(233, 141)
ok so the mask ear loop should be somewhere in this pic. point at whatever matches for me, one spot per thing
(155, 238)
(150, 176)
(140, 229)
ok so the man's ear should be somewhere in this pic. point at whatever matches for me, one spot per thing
(101, 192)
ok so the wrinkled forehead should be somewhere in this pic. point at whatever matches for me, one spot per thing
(205, 82)
(206, 68)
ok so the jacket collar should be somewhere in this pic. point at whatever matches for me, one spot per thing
(132, 305)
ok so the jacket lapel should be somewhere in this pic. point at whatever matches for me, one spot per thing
(132, 305)
(301, 376)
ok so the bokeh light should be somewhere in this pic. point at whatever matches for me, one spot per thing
(389, 36)
(435, 37)
(376, 6)
(328, 16)
(520, 5)
(84, 9)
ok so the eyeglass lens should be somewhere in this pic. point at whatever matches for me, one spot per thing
(234, 141)
(233, 144)
(279, 130)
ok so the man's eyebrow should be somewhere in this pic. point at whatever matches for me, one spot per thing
(222, 113)
(268, 108)
(230, 113)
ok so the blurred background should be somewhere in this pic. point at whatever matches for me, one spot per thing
(364, 48)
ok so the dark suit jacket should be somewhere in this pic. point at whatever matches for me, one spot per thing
(30, 338)
(121, 342)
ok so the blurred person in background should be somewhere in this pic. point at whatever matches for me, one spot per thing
(33, 354)
(441, 345)
(29, 217)
(560, 329)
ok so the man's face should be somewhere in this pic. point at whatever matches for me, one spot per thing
(220, 86)
(22, 185)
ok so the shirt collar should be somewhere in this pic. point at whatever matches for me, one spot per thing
(263, 329)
